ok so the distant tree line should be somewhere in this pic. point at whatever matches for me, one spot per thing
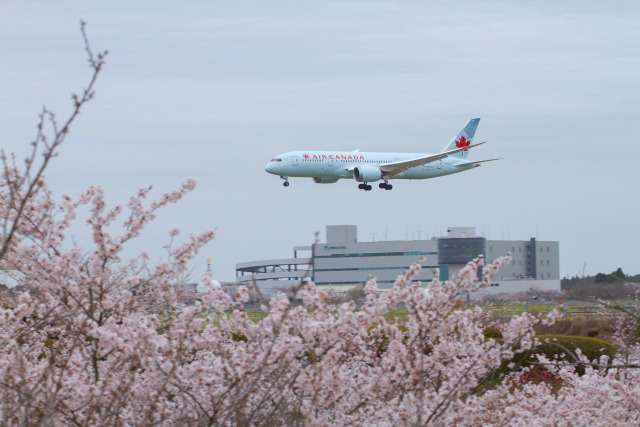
(614, 285)
(616, 276)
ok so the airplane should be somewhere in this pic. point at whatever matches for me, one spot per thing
(327, 167)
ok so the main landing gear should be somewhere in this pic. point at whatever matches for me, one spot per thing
(384, 185)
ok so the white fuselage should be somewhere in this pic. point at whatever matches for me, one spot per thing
(336, 164)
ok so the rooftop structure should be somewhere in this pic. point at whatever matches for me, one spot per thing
(280, 273)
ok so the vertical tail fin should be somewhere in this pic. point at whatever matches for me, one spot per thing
(463, 138)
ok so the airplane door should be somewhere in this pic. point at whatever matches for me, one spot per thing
(330, 161)
(294, 160)
(439, 164)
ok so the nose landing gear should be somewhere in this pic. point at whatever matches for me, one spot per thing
(286, 180)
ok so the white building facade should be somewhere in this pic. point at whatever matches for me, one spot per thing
(342, 262)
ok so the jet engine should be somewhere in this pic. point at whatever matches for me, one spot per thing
(367, 173)
(324, 180)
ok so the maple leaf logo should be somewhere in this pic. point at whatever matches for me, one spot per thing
(463, 142)
(306, 156)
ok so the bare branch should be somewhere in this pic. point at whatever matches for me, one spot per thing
(22, 187)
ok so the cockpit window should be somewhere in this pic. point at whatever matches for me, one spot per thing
(277, 159)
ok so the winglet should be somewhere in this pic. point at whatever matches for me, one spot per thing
(455, 152)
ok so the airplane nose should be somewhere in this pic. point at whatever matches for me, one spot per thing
(270, 167)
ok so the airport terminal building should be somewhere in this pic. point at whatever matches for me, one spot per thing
(342, 262)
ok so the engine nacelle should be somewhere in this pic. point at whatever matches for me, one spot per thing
(367, 173)
(324, 180)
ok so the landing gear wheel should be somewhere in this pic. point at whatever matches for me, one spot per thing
(382, 185)
(389, 187)
(361, 186)
(367, 188)
(286, 183)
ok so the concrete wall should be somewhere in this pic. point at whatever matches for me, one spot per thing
(354, 263)
(512, 286)
(547, 258)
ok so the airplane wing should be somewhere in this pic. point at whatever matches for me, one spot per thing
(395, 168)
(479, 161)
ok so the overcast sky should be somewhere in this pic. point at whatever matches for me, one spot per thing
(212, 90)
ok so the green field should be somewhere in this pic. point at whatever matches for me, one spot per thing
(574, 308)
